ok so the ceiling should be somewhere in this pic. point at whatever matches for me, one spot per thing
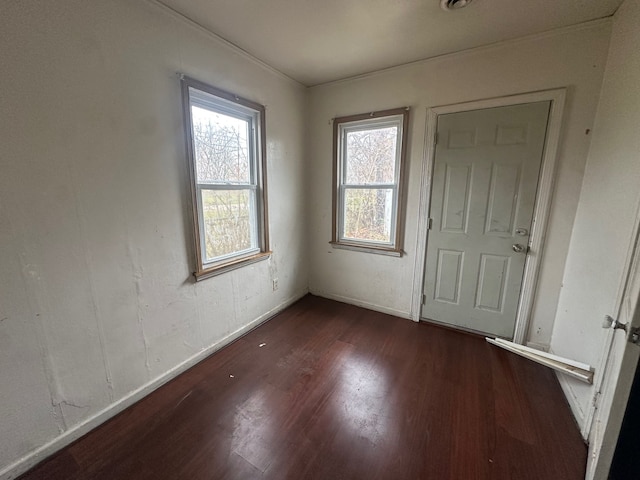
(318, 41)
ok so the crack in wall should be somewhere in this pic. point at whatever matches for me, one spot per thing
(138, 275)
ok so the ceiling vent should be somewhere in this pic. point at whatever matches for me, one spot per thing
(454, 4)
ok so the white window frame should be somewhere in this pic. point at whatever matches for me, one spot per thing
(202, 95)
(342, 126)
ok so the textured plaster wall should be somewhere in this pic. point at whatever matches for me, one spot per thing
(96, 293)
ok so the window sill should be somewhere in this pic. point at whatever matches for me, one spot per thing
(232, 265)
(389, 251)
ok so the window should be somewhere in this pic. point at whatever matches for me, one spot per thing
(369, 152)
(225, 148)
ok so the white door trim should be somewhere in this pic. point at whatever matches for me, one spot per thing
(614, 378)
(543, 198)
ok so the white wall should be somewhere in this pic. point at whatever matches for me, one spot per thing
(573, 58)
(96, 295)
(608, 206)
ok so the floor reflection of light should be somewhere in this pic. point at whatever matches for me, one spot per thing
(253, 430)
(362, 399)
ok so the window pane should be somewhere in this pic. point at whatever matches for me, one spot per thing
(371, 156)
(227, 222)
(221, 144)
(367, 214)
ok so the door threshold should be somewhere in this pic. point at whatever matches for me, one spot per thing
(468, 331)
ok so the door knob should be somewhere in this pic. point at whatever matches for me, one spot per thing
(518, 248)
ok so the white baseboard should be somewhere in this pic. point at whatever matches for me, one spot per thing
(576, 408)
(363, 304)
(36, 456)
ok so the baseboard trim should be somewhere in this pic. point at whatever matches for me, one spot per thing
(363, 304)
(574, 404)
(41, 453)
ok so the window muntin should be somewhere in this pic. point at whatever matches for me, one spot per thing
(369, 151)
(226, 153)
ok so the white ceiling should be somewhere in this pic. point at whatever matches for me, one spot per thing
(317, 41)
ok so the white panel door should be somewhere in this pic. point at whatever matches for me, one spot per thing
(487, 164)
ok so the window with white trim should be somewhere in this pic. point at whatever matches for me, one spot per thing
(225, 146)
(369, 151)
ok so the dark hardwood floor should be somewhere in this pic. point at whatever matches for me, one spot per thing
(339, 392)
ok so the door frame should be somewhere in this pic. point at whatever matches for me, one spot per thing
(617, 368)
(544, 194)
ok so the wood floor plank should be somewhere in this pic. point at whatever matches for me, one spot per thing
(331, 391)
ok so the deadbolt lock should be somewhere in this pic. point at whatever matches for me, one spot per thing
(523, 232)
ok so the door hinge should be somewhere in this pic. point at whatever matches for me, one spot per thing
(429, 223)
(437, 139)
(424, 299)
